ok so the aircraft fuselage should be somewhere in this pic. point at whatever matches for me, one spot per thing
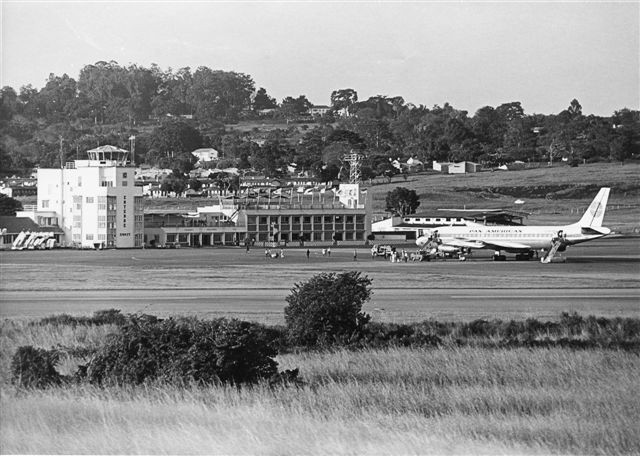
(535, 237)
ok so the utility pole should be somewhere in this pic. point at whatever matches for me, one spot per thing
(61, 154)
(132, 141)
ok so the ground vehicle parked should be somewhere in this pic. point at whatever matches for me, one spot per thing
(420, 255)
(382, 250)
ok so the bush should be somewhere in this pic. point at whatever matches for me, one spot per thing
(327, 309)
(35, 367)
(100, 317)
(183, 350)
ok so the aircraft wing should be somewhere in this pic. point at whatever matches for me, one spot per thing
(464, 243)
(508, 246)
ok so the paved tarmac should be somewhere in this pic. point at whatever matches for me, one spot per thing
(600, 278)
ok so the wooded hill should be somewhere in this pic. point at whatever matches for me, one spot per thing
(173, 112)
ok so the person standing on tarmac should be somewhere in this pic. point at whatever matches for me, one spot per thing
(308, 253)
(355, 255)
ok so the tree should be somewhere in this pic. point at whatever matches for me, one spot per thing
(271, 158)
(172, 96)
(263, 101)
(8, 205)
(402, 201)
(575, 109)
(175, 182)
(175, 137)
(8, 103)
(383, 167)
(58, 98)
(293, 107)
(220, 94)
(327, 308)
(342, 100)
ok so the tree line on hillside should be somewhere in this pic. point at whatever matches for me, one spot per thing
(173, 112)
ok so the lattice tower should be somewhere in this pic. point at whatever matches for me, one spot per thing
(355, 163)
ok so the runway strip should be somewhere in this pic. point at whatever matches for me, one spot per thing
(394, 304)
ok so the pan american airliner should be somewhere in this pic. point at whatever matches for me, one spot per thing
(521, 240)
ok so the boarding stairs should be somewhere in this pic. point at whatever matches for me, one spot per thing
(556, 243)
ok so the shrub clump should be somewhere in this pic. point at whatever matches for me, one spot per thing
(183, 350)
(35, 367)
(326, 309)
(100, 317)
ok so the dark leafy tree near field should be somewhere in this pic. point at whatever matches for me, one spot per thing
(8, 205)
(402, 201)
(327, 308)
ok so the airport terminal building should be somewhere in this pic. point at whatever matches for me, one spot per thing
(342, 216)
(94, 203)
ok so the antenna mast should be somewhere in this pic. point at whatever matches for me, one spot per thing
(355, 162)
(61, 153)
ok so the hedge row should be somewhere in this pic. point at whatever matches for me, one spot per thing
(146, 348)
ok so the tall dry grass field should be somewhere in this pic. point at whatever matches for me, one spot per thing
(395, 401)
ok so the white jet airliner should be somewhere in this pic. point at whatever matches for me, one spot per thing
(522, 240)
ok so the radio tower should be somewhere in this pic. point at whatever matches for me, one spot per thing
(355, 161)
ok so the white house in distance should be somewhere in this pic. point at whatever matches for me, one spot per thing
(205, 155)
(456, 168)
(95, 202)
(319, 110)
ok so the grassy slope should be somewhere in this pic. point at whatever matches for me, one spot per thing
(396, 401)
(552, 195)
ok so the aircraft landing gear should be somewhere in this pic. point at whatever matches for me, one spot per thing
(526, 256)
(498, 257)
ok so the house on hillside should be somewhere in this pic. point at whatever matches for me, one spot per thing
(463, 168)
(457, 168)
(443, 167)
(319, 110)
(15, 187)
(206, 155)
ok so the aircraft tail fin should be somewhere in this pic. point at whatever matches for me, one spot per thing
(595, 212)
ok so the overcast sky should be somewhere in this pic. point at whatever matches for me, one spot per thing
(470, 54)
